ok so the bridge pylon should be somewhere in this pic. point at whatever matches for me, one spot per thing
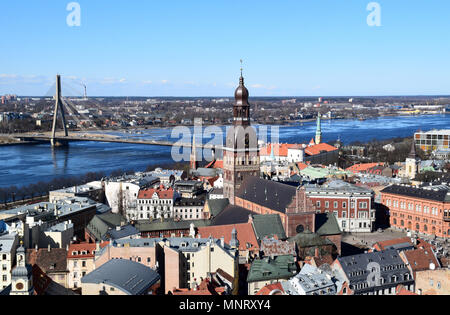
(55, 142)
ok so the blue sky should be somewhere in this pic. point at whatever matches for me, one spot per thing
(193, 48)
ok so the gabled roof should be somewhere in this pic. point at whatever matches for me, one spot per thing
(245, 234)
(266, 193)
(156, 226)
(162, 193)
(101, 224)
(363, 167)
(281, 267)
(319, 148)
(53, 261)
(232, 215)
(326, 224)
(309, 239)
(279, 149)
(216, 206)
(421, 259)
(268, 225)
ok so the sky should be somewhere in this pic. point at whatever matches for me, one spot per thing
(194, 48)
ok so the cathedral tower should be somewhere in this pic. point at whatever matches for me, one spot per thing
(241, 152)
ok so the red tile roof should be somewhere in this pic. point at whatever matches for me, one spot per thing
(279, 149)
(245, 234)
(302, 166)
(319, 148)
(421, 259)
(380, 246)
(357, 168)
(215, 164)
(162, 193)
(89, 248)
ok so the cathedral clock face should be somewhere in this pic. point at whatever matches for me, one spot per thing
(19, 286)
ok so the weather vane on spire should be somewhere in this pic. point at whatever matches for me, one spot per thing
(242, 66)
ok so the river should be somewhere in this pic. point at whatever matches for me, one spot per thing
(26, 164)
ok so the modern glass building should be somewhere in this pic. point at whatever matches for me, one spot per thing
(433, 140)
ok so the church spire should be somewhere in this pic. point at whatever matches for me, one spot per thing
(413, 154)
(241, 110)
(319, 130)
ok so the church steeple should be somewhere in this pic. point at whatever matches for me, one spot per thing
(241, 109)
(319, 130)
(21, 275)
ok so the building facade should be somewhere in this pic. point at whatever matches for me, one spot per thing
(352, 205)
(154, 204)
(433, 140)
(420, 210)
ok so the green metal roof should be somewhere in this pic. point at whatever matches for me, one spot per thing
(268, 225)
(309, 239)
(147, 226)
(216, 206)
(281, 267)
(326, 224)
(101, 224)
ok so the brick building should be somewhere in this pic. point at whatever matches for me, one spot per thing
(422, 210)
(351, 205)
(296, 211)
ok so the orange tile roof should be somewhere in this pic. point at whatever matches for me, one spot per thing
(302, 166)
(215, 164)
(162, 194)
(421, 259)
(280, 149)
(363, 167)
(319, 148)
(245, 234)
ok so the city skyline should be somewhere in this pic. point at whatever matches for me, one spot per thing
(193, 49)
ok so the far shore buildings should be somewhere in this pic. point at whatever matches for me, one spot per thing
(421, 210)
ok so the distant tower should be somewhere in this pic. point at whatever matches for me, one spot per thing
(58, 107)
(194, 156)
(412, 163)
(319, 130)
(21, 275)
(241, 152)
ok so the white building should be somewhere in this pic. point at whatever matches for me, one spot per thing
(8, 245)
(310, 281)
(122, 192)
(153, 204)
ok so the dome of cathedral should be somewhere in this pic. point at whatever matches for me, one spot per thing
(241, 95)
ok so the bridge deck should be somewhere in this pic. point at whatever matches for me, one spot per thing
(118, 140)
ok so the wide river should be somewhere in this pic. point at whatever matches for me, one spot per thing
(26, 164)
